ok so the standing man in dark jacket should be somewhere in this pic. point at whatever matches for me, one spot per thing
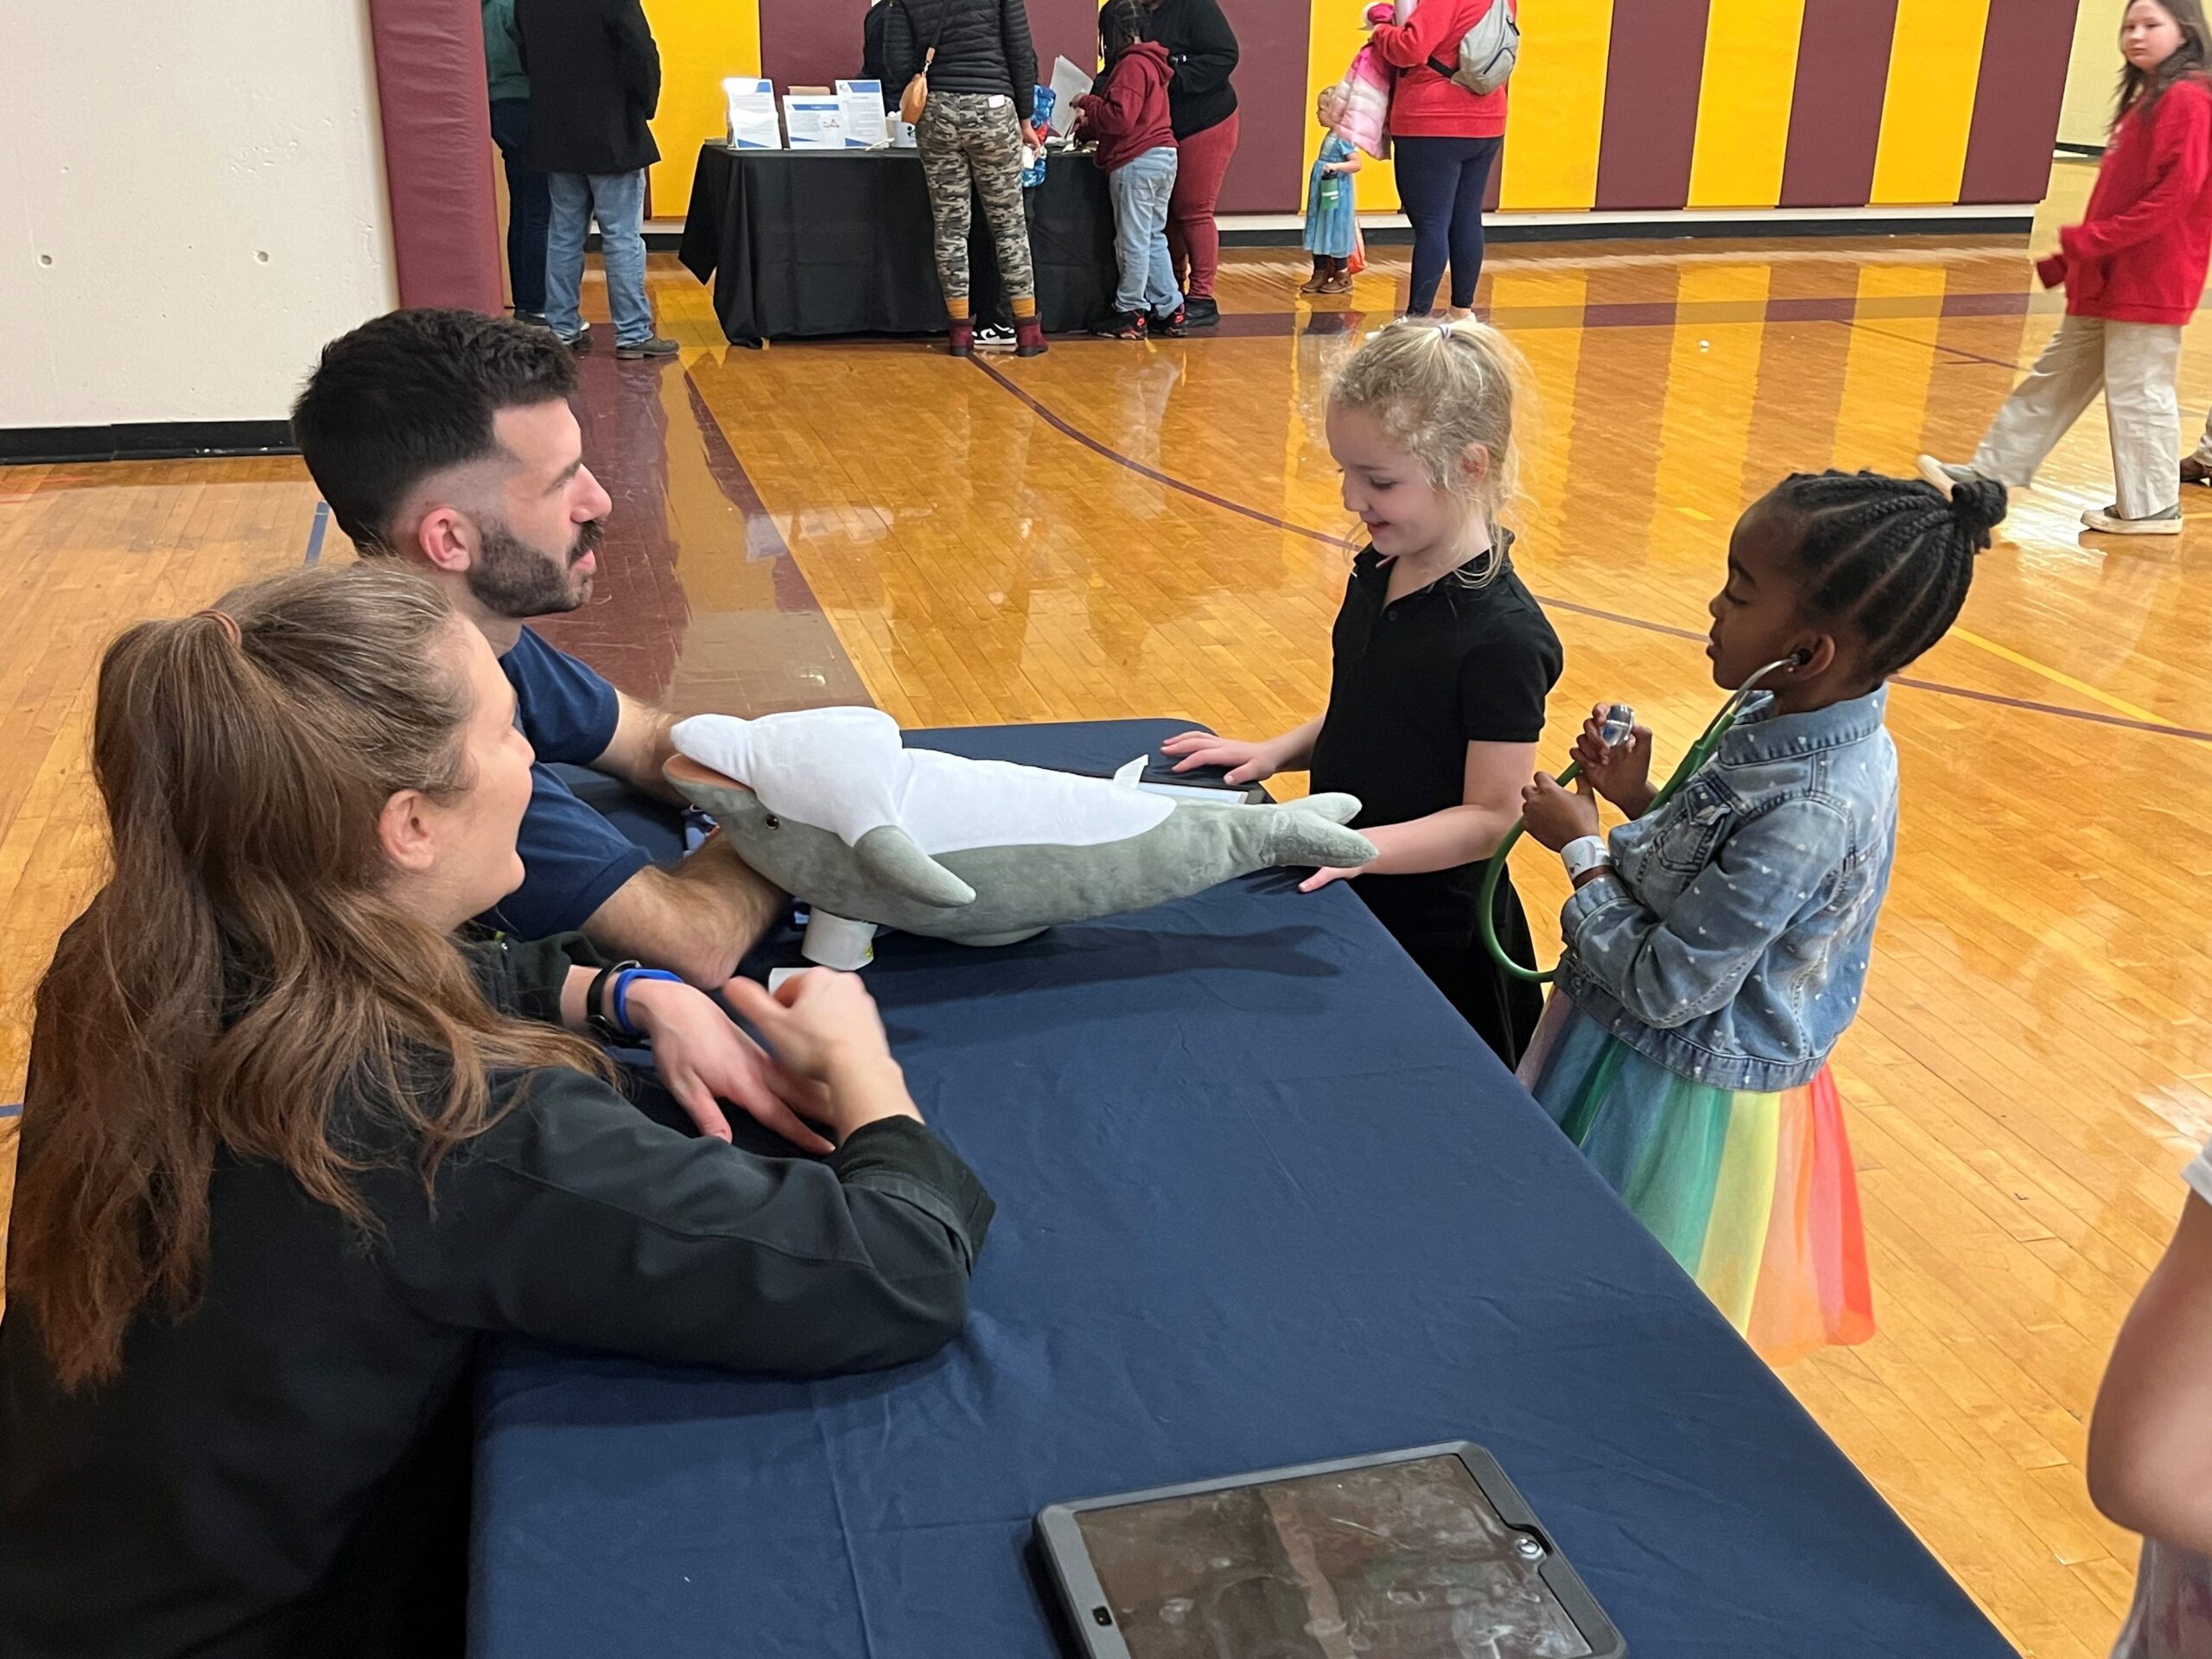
(594, 83)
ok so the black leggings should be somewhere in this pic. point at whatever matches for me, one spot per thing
(1441, 184)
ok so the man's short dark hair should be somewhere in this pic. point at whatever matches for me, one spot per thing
(410, 394)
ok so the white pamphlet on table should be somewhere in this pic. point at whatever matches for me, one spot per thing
(814, 122)
(752, 113)
(864, 115)
(1070, 82)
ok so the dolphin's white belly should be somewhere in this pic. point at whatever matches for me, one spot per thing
(951, 805)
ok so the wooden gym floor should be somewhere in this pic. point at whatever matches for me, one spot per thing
(1118, 530)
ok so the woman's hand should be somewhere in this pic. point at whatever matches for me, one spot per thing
(825, 1027)
(1247, 763)
(1554, 816)
(1619, 772)
(704, 1060)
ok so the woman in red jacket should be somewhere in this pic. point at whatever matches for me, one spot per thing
(1444, 140)
(2133, 271)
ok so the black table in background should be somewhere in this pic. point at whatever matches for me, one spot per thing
(803, 244)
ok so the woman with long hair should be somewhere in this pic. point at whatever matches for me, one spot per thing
(290, 1150)
(2133, 271)
(982, 90)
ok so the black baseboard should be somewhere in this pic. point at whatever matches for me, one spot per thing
(656, 242)
(144, 441)
(2015, 222)
(2080, 152)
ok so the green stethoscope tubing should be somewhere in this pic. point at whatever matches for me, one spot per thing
(1703, 750)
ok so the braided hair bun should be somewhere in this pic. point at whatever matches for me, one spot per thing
(1978, 506)
(1891, 557)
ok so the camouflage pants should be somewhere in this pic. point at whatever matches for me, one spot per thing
(969, 149)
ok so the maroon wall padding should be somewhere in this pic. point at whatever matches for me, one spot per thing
(438, 151)
(1653, 67)
(809, 43)
(2023, 82)
(1835, 108)
(818, 42)
(1273, 107)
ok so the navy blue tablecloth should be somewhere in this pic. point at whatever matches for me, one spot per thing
(1262, 1199)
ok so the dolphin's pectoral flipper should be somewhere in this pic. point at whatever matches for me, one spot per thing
(890, 855)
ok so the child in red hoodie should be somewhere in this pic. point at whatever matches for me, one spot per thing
(2133, 271)
(1128, 121)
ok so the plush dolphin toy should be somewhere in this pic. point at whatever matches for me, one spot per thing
(831, 805)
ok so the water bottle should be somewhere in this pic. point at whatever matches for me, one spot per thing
(1619, 722)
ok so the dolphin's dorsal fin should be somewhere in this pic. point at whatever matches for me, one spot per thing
(1133, 774)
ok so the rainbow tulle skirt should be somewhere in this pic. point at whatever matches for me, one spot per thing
(1754, 1194)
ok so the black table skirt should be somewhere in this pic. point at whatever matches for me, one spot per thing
(803, 244)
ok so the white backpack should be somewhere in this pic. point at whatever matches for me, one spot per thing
(1488, 52)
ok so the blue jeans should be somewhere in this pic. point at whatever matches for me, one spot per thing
(1441, 184)
(530, 209)
(618, 201)
(1140, 189)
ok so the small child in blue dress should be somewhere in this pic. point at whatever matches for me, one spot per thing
(1330, 223)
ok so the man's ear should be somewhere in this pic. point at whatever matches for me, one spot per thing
(446, 537)
(403, 827)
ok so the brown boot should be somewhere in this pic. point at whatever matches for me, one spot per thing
(964, 337)
(1029, 338)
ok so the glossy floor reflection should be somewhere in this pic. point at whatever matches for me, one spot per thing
(1118, 530)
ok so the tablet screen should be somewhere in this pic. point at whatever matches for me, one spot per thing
(1397, 1561)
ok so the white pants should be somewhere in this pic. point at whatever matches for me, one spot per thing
(2133, 364)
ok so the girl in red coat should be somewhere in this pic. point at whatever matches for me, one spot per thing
(1444, 140)
(2133, 271)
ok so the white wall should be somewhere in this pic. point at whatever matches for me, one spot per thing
(192, 202)
(2092, 73)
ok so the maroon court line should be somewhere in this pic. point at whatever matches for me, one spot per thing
(1107, 452)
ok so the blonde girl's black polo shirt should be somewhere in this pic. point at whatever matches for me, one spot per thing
(1416, 680)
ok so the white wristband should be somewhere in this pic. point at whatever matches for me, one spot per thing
(1585, 855)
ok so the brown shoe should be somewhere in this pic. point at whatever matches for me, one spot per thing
(2194, 471)
(963, 337)
(1316, 283)
(1341, 283)
(1029, 338)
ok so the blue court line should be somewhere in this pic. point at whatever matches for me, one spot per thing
(16, 1110)
(315, 531)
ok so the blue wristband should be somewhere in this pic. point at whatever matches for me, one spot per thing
(621, 997)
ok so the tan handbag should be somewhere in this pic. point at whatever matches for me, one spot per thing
(916, 98)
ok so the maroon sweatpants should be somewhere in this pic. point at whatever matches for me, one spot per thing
(1193, 242)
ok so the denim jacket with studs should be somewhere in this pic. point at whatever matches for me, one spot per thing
(1729, 941)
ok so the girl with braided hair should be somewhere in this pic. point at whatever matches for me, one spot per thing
(1716, 948)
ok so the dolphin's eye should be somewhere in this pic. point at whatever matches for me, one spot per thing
(774, 822)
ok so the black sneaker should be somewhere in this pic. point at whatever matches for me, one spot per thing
(579, 341)
(1174, 326)
(1121, 324)
(1200, 314)
(535, 319)
(651, 346)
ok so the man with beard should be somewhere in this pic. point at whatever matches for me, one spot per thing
(445, 439)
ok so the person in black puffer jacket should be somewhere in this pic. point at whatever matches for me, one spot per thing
(1202, 51)
(982, 90)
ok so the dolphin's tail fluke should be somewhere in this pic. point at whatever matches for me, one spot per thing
(1312, 832)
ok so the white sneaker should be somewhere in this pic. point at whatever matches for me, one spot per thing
(2109, 521)
(1943, 474)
